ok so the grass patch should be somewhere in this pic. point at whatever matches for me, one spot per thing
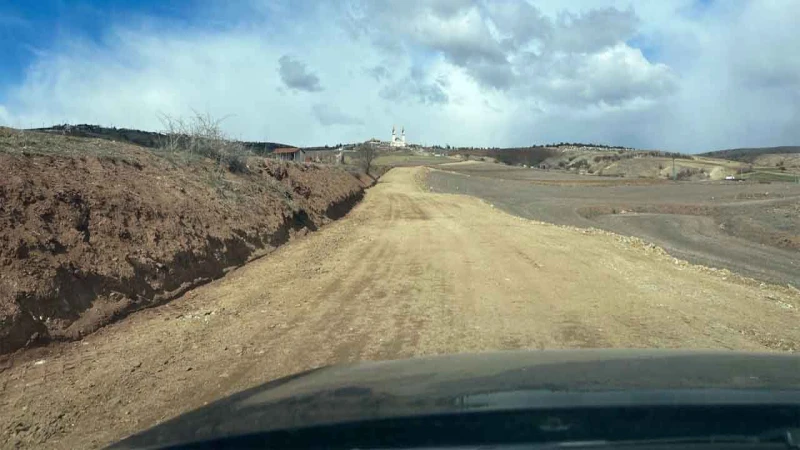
(34, 143)
(771, 176)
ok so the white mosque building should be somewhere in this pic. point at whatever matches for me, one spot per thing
(398, 141)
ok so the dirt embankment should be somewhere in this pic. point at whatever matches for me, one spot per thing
(92, 230)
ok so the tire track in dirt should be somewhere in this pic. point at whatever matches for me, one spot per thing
(406, 273)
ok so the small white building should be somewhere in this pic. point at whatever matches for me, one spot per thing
(289, 154)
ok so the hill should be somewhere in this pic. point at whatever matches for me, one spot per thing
(611, 161)
(762, 164)
(149, 139)
(750, 155)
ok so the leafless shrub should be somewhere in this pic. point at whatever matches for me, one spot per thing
(366, 155)
(531, 156)
(580, 164)
(202, 135)
(686, 173)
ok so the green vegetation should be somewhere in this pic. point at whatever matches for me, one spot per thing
(750, 154)
(530, 156)
(771, 176)
(527, 156)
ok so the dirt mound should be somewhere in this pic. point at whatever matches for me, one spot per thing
(91, 230)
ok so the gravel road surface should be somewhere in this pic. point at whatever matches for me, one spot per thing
(406, 273)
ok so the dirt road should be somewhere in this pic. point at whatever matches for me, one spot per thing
(406, 273)
(751, 229)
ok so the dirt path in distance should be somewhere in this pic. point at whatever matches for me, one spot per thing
(407, 273)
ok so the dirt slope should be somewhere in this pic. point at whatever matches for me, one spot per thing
(407, 273)
(91, 230)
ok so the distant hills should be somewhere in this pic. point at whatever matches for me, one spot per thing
(148, 139)
(749, 155)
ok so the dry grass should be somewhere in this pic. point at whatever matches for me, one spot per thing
(32, 143)
(187, 141)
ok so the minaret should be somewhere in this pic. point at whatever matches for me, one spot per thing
(394, 135)
(403, 136)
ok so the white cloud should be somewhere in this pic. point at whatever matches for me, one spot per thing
(614, 76)
(677, 75)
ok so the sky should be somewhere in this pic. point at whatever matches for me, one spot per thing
(676, 75)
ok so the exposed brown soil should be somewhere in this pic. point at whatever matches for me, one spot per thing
(406, 273)
(91, 230)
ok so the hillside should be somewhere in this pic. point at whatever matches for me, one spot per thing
(91, 230)
(141, 138)
(611, 161)
(757, 165)
(750, 155)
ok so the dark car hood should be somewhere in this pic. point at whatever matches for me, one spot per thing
(493, 381)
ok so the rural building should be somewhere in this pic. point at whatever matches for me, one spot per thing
(289, 154)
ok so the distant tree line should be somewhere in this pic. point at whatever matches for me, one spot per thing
(558, 145)
(147, 139)
(530, 156)
(579, 144)
(749, 155)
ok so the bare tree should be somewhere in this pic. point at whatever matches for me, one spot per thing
(201, 134)
(366, 154)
